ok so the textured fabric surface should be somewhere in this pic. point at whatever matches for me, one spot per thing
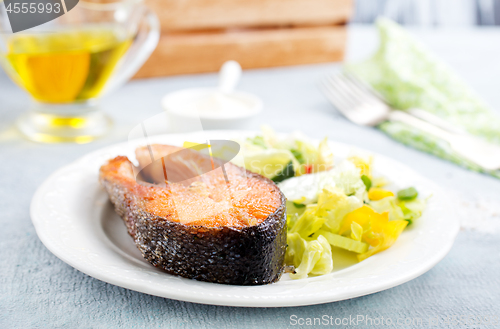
(37, 290)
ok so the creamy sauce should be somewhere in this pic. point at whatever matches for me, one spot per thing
(217, 105)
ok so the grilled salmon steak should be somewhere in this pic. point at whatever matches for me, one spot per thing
(224, 225)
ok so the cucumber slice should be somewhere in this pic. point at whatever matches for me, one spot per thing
(343, 242)
(269, 163)
(286, 173)
(408, 194)
(367, 181)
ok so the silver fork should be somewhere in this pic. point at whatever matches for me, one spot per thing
(364, 106)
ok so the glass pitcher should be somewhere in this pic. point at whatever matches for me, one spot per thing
(67, 64)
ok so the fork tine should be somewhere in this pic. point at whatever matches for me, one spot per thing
(336, 88)
(358, 105)
(364, 86)
(361, 94)
(342, 90)
(333, 96)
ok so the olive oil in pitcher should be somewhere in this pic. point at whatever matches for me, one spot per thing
(66, 66)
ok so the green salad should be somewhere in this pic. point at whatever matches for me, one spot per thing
(343, 208)
(282, 158)
(329, 208)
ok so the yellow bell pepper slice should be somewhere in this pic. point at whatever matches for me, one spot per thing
(390, 233)
(361, 216)
(371, 221)
(376, 194)
(378, 231)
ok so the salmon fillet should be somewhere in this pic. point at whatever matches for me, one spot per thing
(224, 225)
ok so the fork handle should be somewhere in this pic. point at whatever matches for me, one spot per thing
(483, 154)
(435, 120)
(415, 122)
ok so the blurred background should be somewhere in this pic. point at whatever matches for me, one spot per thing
(278, 33)
(163, 38)
(454, 13)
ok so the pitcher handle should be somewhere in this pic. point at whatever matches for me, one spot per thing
(144, 44)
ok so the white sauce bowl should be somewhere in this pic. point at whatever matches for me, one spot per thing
(209, 108)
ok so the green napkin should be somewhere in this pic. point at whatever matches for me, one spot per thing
(408, 75)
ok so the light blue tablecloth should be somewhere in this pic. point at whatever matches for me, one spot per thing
(39, 290)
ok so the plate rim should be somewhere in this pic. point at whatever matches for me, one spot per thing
(223, 302)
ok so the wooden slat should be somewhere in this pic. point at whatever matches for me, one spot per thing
(209, 14)
(205, 52)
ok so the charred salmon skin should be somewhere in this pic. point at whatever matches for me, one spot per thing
(224, 226)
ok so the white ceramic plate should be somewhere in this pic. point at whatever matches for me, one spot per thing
(75, 221)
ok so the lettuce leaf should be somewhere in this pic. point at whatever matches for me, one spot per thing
(347, 177)
(308, 257)
(412, 210)
(389, 204)
(335, 205)
(399, 210)
(324, 265)
(307, 188)
(308, 222)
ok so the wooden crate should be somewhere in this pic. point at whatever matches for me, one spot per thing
(215, 14)
(200, 35)
(205, 52)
